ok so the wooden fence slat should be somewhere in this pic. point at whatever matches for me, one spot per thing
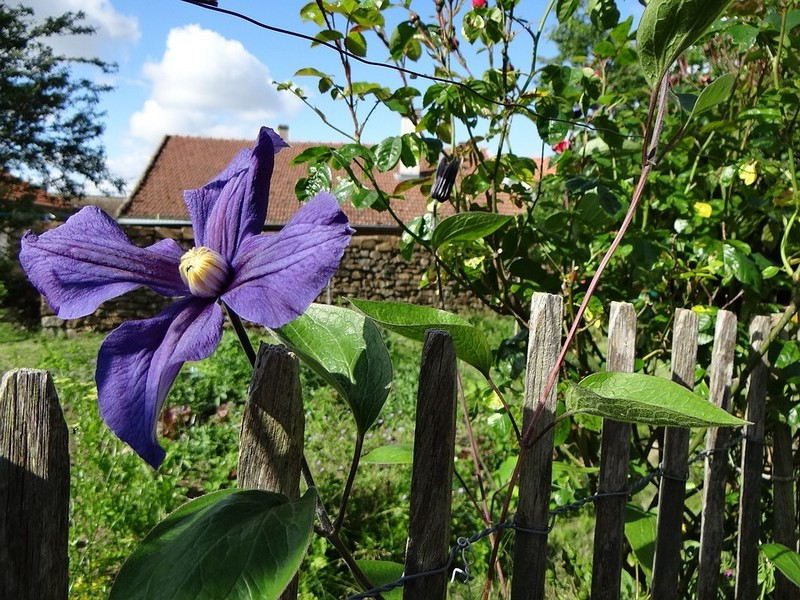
(271, 438)
(716, 465)
(34, 488)
(752, 463)
(609, 531)
(273, 424)
(783, 504)
(432, 470)
(530, 549)
(666, 561)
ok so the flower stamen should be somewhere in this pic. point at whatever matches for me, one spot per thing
(204, 271)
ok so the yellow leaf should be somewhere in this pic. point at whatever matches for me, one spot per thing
(748, 173)
(702, 209)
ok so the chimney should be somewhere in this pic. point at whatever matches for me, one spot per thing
(283, 131)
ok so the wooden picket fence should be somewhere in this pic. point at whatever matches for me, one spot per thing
(34, 467)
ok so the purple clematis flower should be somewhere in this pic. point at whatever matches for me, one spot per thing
(267, 279)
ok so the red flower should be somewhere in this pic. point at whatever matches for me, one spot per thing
(478, 3)
(561, 146)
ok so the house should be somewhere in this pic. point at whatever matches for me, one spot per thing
(372, 267)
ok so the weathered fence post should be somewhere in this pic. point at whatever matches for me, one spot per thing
(530, 547)
(609, 528)
(432, 471)
(271, 438)
(666, 561)
(716, 463)
(783, 499)
(34, 488)
(784, 518)
(752, 463)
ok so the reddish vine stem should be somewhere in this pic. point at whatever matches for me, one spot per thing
(657, 105)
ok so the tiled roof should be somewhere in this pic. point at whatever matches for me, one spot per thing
(13, 189)
(183, 162)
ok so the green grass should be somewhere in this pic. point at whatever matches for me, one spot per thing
(116, 498)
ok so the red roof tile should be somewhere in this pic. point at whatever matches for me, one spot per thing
(183, 162)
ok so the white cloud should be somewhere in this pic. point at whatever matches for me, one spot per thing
(206, 85)
(111, 26)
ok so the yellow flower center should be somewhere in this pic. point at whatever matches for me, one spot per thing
(204, 271)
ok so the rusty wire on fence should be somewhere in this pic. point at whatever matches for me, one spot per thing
(463, 543)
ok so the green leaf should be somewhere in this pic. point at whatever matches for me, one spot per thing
(356, 43)
(348, 352)
(393, 454)
(787, 561)
(641, 529)
(312, 154)
(387, 153)
(319, 179)
(788, 355)
(310, 72)
(232, 544)
(412, 321)
(381, 572)
(668, 27)
(637, 398)
(328, 35)
(714, 93)
(744, 35)
(737, 264)
(565, 9)
(466, 227)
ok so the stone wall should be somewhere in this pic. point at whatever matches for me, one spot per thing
(372, 269)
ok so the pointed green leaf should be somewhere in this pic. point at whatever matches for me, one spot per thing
(381, 572)
(787, 561)
(356, 43)
(229, 545)
(714, 93)
(310, 72)
(412, 321)
(668, 27)
(637, 398)
(347, 351)
(641, 529)
(393, 454)
(387, 153)
(467, 226)
(565, 9)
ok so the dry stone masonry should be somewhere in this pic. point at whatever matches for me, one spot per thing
(372, 269)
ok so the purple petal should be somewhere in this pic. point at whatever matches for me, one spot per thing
(138, 362)
(234, 204)
(88, 260)
(278, 276)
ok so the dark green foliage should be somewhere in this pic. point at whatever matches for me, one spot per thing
(49, 121)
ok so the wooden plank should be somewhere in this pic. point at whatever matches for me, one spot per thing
(34, 488)
(716, 464)
(432, 471)
(273, 424)
(752, 462)
(530, 547)
(667, 559)
(609, 531)
(784, 509)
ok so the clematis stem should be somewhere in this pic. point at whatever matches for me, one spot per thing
(238, 327)
(326, 530)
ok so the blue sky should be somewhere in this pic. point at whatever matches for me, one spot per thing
(186, 70)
